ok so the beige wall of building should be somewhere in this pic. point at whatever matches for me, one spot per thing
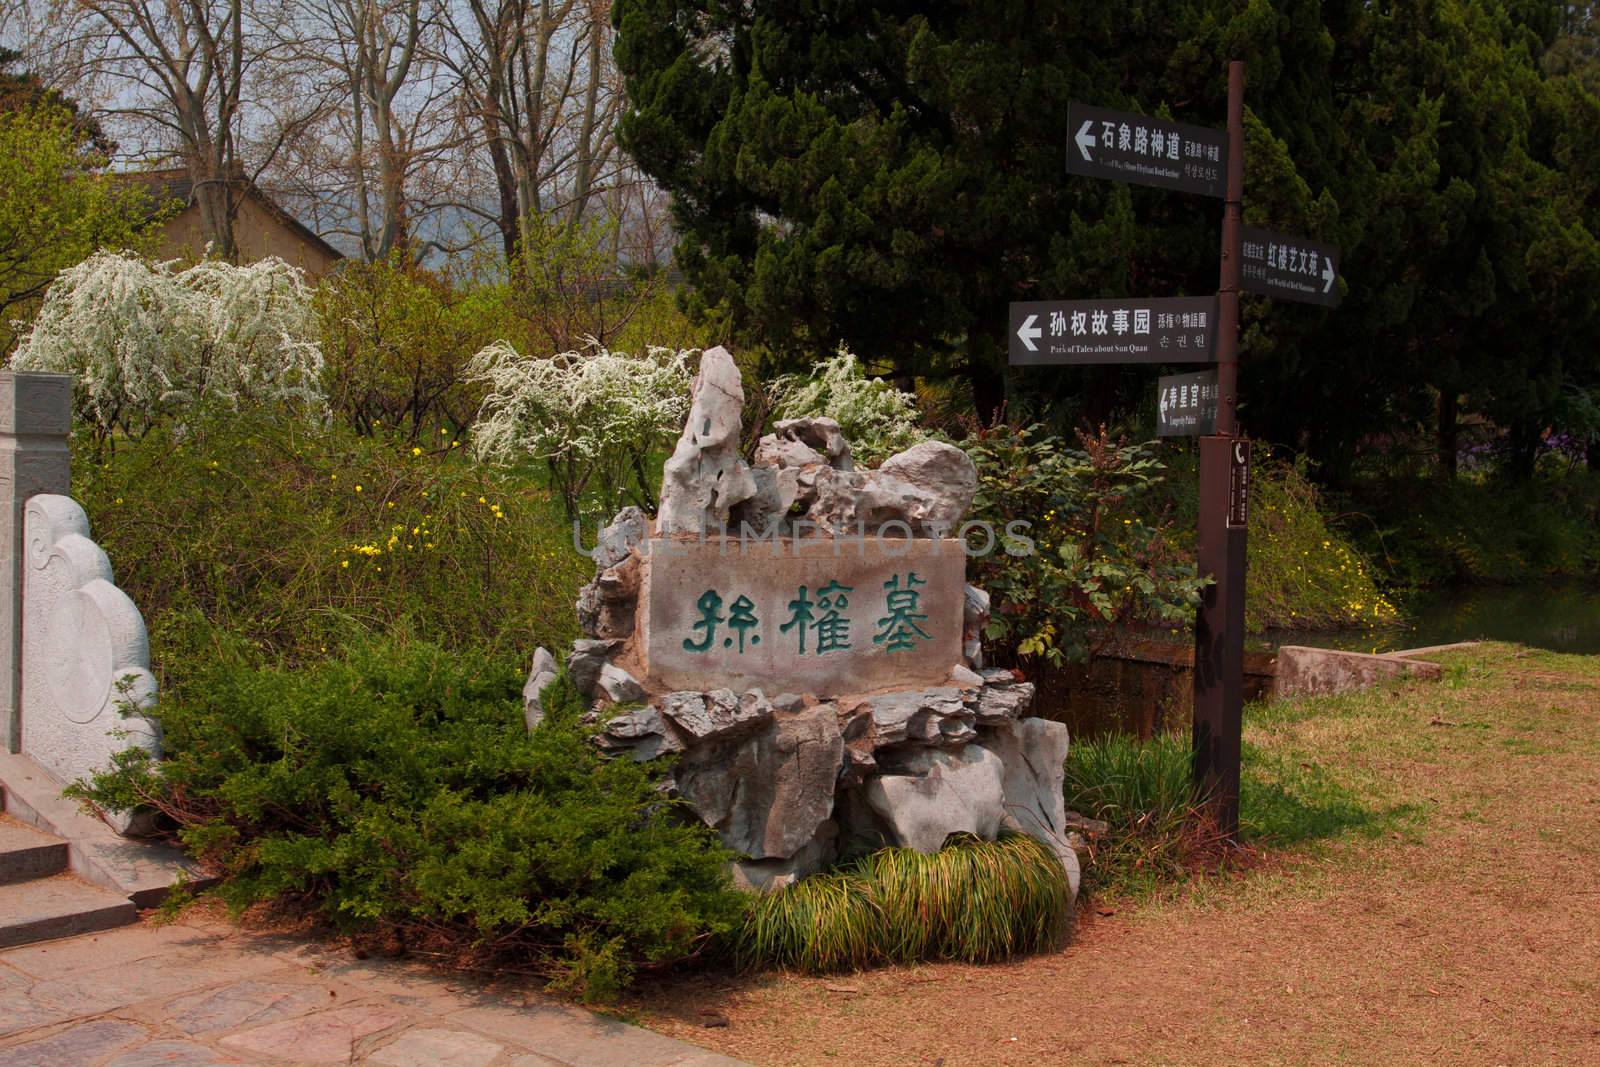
(259, 232)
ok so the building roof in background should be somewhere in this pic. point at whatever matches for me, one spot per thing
(164, 186)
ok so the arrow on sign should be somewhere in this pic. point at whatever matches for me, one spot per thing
(1327, 275)
(1085, 139)
(1029, 332)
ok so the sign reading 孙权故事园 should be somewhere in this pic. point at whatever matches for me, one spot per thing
(821, 616)
(1173, 329)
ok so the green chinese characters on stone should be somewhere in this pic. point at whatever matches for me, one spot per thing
(898, 631)
(831, 627)
(741, 619)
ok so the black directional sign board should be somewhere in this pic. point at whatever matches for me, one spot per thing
(1126, 147)
(1174, 329)
(1288, 267)
(1186, 405)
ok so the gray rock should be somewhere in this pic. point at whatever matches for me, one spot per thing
(972, 652)
(768, 795)
(960, 792)
(1032, 753)
(774, 494)
(619, 686)
(822, 435)
(942, 475)
(994, 705)
(586, 660)
(936, 716)
(859, 765)
(642, 733)
(882, 503)
(706, 476)
(718, 715)
(1000, 676)
(606, 605)
(765, 876)
(775, 451)
(965, 677)
(975, 608)
(789, 702)
(543, 672)
(630, 529)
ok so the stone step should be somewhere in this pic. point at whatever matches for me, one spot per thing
(59, 906)
(26, 854)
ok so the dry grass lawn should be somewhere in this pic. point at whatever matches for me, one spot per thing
(1428, 892)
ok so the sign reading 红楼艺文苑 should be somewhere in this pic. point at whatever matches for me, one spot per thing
(1288, 267)
(1186, 405)
(1178, 329)
(1146, 150)
(823, 616)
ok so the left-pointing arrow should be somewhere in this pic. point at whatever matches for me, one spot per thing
(1029, 332)
(1085, 139)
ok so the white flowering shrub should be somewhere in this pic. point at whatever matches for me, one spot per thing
(145, 340)
(878, 419)
(594, 417)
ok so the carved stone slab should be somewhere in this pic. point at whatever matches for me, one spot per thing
(811, 616)
(85, 653)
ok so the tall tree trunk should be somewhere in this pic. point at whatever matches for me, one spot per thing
(1448, 431)
(988, 386)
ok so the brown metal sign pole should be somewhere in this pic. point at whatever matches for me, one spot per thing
(1219, 624)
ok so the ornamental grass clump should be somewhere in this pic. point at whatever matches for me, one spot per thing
(973, 901)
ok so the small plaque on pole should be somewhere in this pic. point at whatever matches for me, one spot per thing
(1287, 267)
(1186, 405)
(1145, 150)
(1239, 485)
(1174, 329)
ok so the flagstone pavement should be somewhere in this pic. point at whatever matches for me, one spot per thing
(202, 992)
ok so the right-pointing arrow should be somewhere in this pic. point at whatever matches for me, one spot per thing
(1029, 332)
(1327, 275)
(1085, 139)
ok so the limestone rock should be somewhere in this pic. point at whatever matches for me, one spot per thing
(883, 502)
(628, 530)
(586, 661)
(542, 673)
(1000, 676)
(997, 704)
(959, 792)
(942, 475)
(1032, 753)
(974, 617)
(768, 795)
(965, 678)
(937, 716)
(606, 605)
(619, 686)
(706, 477)
(765, 876)
(859, 765)
(801, 442)
(642, 733)
(767, 510)
(718, 715)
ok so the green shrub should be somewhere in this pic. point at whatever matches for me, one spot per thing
(394, 791)
(974, 901)
(1095, 550)
(290, 538)
(1301, 573)
(1144, 791)
(877, 419)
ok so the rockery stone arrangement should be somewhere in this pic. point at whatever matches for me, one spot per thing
(799, 634)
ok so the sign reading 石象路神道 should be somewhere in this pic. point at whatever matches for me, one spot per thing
(1146, 150)
(817, 616)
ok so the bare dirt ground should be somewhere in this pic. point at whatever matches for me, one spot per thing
(1456, 921)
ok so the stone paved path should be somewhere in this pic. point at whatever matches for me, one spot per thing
(201, 993)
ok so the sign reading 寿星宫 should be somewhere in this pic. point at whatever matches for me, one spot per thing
(818, 616)
(1186, 404)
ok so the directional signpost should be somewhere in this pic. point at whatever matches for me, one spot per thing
(1144, 150)
(1186, 405)
(1180, 329)
(1288, 267)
